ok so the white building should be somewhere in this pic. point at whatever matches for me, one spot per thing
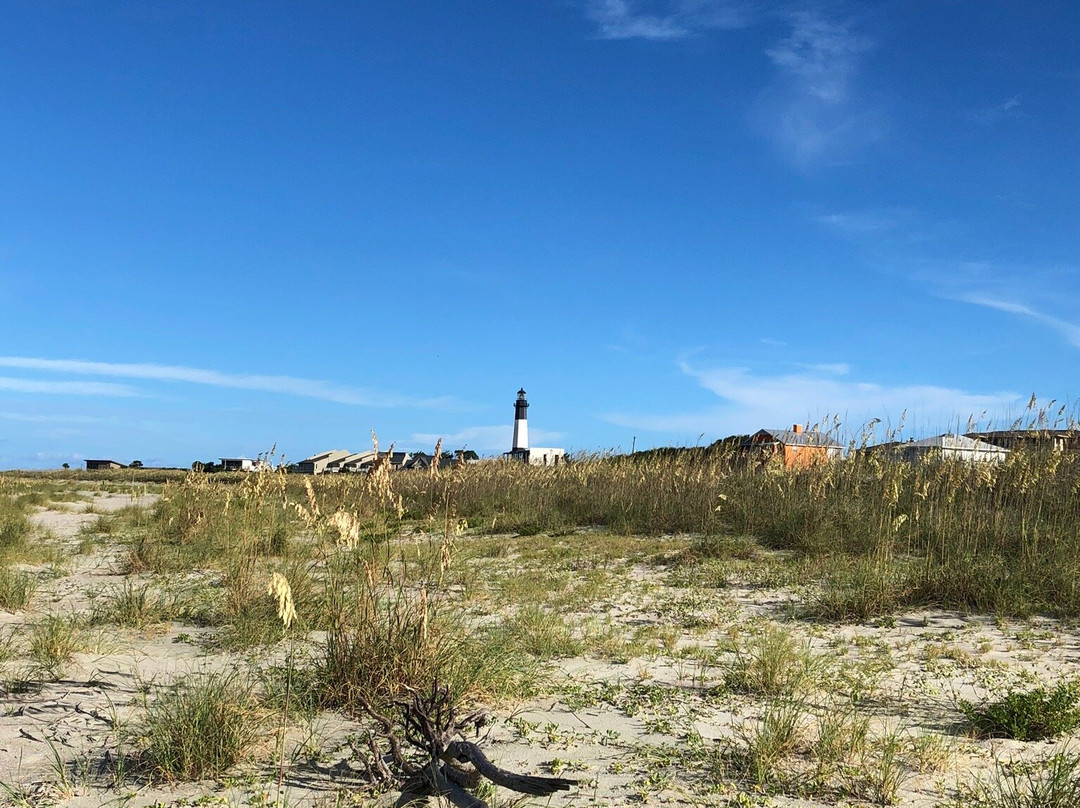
(242, 464)
(952, 447)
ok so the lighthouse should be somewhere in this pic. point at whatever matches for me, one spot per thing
(521, 423)
(521, 451)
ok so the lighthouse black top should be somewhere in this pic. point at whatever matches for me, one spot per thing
(520, 406)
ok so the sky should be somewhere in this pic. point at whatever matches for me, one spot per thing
(227, 227)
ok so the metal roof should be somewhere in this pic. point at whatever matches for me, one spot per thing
(789, 437)
(951, 441)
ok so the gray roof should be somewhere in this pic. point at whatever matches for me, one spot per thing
(355, 457)
(331, 456)
(789, 437)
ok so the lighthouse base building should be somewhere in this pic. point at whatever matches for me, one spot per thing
(537, 456)
(522, 452)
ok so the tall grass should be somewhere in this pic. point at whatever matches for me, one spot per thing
(1002, 538)
(889, 534)
(14, 524)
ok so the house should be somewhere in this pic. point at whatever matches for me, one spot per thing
(398, 460)
(317, 464)
(99, 465)
(950, 447)
(1032, 440)
(797, 447)
(421, 461)
(353, 462)
(242, 464)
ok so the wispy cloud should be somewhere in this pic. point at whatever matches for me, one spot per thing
(484, 439)
(1038, 294)
(1067, 330)
(66, 388)
(289, 385)
(995, 113)
(38, 418)
(811, 111)
(833, 369)
(865, 222)
(630, 19)
(749, 402)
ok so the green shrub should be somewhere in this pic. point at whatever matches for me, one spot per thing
(1027, 716)
(200, 727)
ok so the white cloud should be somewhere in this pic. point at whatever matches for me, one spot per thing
(290, 385)
(483, 439)
(627, 19)
(750, 402)
(811, 111)
(66, 388)
(820, 56)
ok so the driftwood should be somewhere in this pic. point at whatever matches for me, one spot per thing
(451, 765)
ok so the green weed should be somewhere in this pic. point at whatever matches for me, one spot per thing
(1032, 715)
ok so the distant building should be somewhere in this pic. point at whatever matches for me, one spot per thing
(795, 447)
(317, 464)
(521, 451)
(1032, 440)
(398, 460)
(352, 462)
(98, 465)
(538, 456)
(242, 464)
(421, 461)
(950, 447)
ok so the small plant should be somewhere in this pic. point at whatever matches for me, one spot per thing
(766, 741)
(1052, 782)
(16, 588)
(772, 663)
(541, 633)
(842, 736)
(54, 641)
(1032, 715)
(200, 727)
(887, 771)
(131, 606)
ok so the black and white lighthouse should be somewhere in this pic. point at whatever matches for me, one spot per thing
(522, 452)
(521, 423)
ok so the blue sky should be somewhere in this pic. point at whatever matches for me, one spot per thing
(225, 226)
